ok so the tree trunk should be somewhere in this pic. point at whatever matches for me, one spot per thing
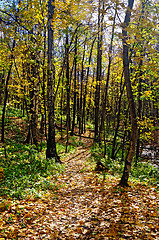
(67, 87)
(51, 151)
(128, 161)
(6, 91)
(139, 77)
(34, 96)
(75, 90)
(118, 120)
(98, 73)
(90, 113)
(2, 82)
(43, 83)
(139, 110)
(86, 81)
(61, 108)
(107, 80)
(5, 100)
(81, 93)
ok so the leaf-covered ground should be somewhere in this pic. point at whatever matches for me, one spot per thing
(85, 207)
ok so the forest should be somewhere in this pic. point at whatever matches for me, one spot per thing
(79, 119)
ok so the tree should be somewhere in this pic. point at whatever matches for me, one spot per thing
(51, 151)
(128, 161)
(75, 85)
(8, 34)
(6, 89)
(99, 67)
(104, 103)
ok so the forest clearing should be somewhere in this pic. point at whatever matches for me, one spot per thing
(79, 119)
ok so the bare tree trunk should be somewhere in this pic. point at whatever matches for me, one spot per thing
(6, 91)
(61, 107)
(90, 113)
(67, 87)
(85, 90)
(118, 119)
(43, 84)
(128, 161)
(2, 82)
(5, 100)
(98, 73)
(139, 110)
(74, 90)
(32, 73)
(34, 96)
(81, 94)
(103, 113)
(139, 77)
(51, 151)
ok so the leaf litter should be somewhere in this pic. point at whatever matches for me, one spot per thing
(85, 207)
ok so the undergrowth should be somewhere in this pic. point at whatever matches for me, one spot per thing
(143, 172)
(27, 172)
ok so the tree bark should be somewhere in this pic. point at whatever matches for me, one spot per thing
(98, 73)
(5, 100)
(34, 97)
(75, 90)
(104, 103)
(2, 82)
(128, 161)
(81, 93)
(51, 151)
(139, 77)
(86, 81)
(43, 83)
(6, 91)
(118, 119)
(67, 87)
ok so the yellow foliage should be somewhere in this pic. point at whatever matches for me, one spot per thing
(148, 93)
(1, 173)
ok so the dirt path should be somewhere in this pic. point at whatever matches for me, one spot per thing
(86, 208)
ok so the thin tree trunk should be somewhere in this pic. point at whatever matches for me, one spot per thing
(34, 96)
(5, 100)
(67, 87)
(98, 73)
(78, 95)
(107, 79)
(128, 161)
(61, 108)
(6, 91)
(140, 84)
(139, 111)
(2, 82)
(51, 151)
(118, 120)
(81, 93)
(90, 97)
(43, 83)
(85, 90)
(75, 90)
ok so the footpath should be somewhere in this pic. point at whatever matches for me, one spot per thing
(85, 207)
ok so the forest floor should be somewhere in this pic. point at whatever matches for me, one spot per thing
(87, 206)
